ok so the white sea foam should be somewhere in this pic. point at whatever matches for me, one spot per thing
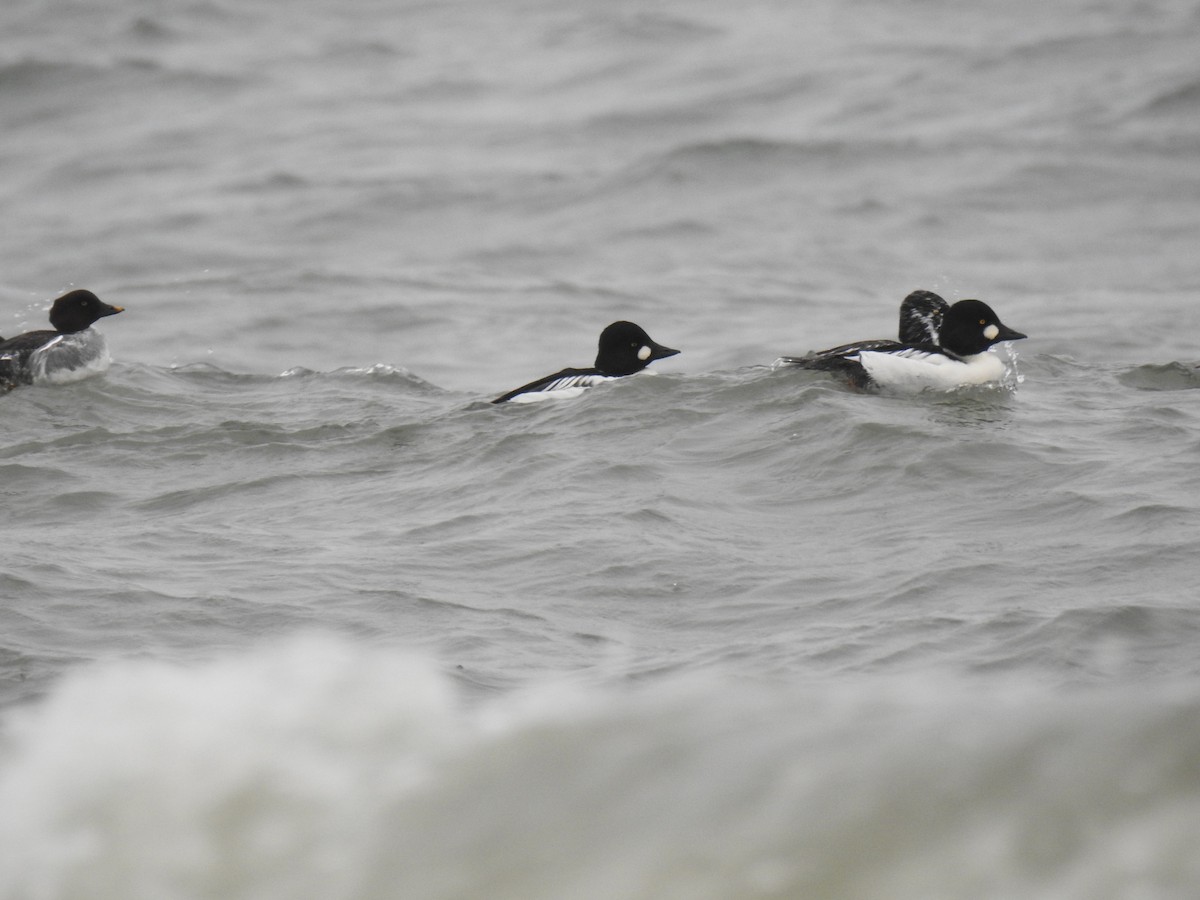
(322, 769)
(264, 773)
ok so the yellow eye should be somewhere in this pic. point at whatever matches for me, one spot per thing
(983, 321)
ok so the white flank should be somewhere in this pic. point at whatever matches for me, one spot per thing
(931, 371)
(70, 357)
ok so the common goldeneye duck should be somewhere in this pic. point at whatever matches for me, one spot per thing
(71, 314)
(625, 349)
(956, 356)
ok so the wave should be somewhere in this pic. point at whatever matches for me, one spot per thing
(1181, 98)
(655, 28)
(322, 767)
(1173, 376)
(758, 153)
(33, 76)
(203, 373)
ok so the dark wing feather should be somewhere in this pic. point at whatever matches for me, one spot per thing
(26, 343)
(921, 316)
(835, 358)
(14, 355)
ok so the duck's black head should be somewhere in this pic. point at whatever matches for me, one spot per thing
(79, 310)
(970, 327)
(625, 348)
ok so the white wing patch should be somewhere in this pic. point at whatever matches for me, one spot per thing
(935, 359)
(562, 388)
(577, 381)
(929, 323)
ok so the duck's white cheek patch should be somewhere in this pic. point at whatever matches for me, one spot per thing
(990, 332)
(644, 354)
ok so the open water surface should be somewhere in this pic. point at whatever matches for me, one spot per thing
(290, 611)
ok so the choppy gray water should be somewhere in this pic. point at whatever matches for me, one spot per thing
(290, 611)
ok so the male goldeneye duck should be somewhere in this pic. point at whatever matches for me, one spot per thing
(957, 356)
(625, 349)
(71, 314)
